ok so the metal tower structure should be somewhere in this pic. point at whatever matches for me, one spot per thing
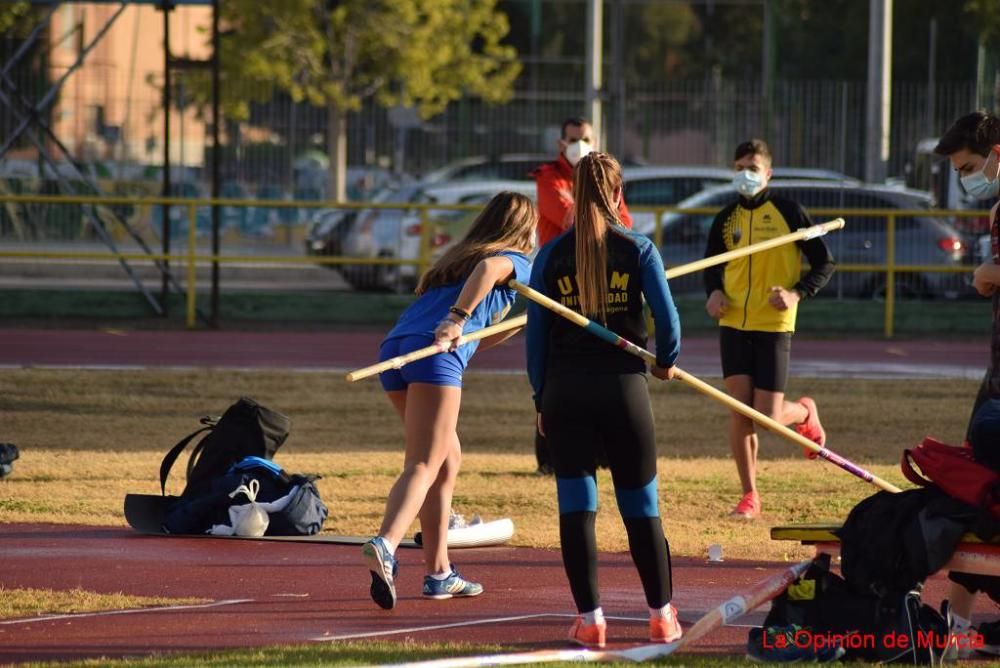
(31, 123)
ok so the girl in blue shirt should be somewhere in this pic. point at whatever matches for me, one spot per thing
(465, 291)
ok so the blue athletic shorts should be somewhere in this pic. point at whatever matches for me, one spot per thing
(439, 369)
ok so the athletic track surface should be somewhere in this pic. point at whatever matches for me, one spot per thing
(265, 593)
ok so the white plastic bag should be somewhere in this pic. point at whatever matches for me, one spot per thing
(248, 520)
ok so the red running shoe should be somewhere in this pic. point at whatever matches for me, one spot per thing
(748, 508)
(665, 629)
(811, 427)
(588, 635)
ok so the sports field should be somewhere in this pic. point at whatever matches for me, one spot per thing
(91, 435)
(88, 437)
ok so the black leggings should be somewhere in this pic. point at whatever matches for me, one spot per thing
(584, 416)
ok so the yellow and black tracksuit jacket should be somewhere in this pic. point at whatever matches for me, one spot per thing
(747, 281)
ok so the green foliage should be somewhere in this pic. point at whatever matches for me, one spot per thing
(661, 33)
(12, 15)
(422, 53)
(812, 40)
(986, 15)
(829, 40)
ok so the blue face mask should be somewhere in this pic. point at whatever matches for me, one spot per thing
(979, 186)
(748, 183)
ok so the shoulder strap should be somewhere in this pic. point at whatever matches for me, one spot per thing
(171, 457)
(910, 473)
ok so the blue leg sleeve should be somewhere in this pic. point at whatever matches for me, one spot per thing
(577, 494)
(641, 502)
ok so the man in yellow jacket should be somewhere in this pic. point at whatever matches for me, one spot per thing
(755, 299)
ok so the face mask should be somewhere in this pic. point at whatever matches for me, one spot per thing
(748, 183)
(577, 150)
(980, 187)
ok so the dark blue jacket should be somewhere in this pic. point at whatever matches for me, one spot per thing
(635, 270)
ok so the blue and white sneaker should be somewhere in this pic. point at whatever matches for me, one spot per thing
(384, 567)
(452, 586)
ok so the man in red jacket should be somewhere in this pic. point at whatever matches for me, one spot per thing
(555, 211)
(555, 181)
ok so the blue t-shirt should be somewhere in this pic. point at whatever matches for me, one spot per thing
(423, 315)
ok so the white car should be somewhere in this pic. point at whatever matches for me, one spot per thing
(395, 233)
(507, 167)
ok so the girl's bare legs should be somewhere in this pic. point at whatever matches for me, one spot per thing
(775, 406)
(742, 435)
(398, 399)
(435, 513)
(430, 419)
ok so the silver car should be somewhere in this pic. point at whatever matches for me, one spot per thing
(396, 233)
(666, 185)
(920, 240)
(506, 167)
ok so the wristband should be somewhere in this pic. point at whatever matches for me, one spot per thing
(460, 312)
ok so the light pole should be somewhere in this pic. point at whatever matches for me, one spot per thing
(593, 79)
(879, 90)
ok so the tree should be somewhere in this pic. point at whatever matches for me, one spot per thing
(986, 15)
(661, 34)
(338, 53)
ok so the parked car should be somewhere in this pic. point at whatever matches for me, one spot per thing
(324, 236)
(507, 166)
(668, 185)
(396, 233)
(811, 174)
(920, 240)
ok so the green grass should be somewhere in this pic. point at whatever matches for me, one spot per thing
(15, 603)
(89, 437)
(358, 654)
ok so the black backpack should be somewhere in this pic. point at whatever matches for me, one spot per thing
(303, 515)
(8, 453)
(246, 429)
(894, 627)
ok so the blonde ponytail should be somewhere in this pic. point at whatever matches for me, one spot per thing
(596, 178)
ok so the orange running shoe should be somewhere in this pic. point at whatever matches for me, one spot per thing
(588, 635)
(811, 427)
(748, 508)
(665, 629)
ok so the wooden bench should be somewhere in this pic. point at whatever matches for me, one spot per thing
(971, 555)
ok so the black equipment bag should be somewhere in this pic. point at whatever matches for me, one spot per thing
(894, 627)
(303, 515)
(245, 429)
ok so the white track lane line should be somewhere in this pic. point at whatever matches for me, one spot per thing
(478, 622)
(435, 627)
(131, 611)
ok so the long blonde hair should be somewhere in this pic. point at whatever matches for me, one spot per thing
(506, 223)
(595, 179)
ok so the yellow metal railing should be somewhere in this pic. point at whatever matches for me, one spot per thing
(890, 267)
(191, 258)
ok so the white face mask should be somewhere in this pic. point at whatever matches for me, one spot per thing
(979, 185)
(577, 150)
(748, 183)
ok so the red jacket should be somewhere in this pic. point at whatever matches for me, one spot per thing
(555, 200)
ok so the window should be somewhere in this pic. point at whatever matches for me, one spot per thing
(665, 191)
